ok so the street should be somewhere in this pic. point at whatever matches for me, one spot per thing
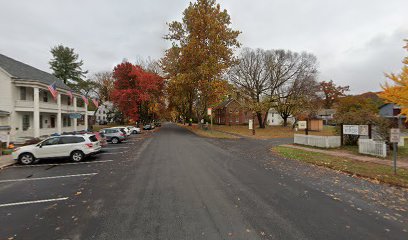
(172, 184)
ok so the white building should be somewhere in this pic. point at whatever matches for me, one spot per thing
(27, 108)
(275, 119)
(101, 115)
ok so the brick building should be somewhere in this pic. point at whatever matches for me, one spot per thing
(231, 112)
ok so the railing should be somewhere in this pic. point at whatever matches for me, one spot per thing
(47, 106)
(318, 141)
(371, 147)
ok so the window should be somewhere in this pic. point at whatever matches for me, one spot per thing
(69, 101)
(70, 140)
(69, 121)
(51, 141)
(93, 138)
(26, 122)
(237, 120)
(45, 96)
(64, 122)
(41, 121)
(52, 121)
(23, 93)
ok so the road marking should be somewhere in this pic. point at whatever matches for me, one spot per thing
(110, 153)
(31, 202)
(117, 148)
(60, 164)
(45, 178)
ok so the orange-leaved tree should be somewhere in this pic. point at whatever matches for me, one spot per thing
(398, 93)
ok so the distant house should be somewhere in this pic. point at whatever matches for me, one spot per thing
(230, 112)
(392, 112)
(101, 115)
(275, 119)
(326, 115)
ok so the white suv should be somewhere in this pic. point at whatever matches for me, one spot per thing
(76, 147)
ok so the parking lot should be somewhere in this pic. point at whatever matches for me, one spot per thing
(33, 192)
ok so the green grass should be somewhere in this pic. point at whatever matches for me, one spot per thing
(377, 172)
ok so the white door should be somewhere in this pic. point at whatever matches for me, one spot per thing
(48, 148)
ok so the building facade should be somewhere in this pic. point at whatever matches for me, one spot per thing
(230, 112)
(27, 108)
(275, 119)
(392, 112)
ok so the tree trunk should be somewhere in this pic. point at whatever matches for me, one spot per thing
(260, 120)
(285, 121)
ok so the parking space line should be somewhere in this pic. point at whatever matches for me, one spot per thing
(31, 202)
(110, 153)
(117, 148)
(46, 178)
(61, 164)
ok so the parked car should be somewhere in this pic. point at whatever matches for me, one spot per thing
(147, 127)
(114, 135)
(134, 130)
(76, 147)
(157, 124)
(125, 130)
(101, 138)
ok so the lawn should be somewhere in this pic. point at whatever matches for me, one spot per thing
(270, 131)
(372, 171)
(208, 133)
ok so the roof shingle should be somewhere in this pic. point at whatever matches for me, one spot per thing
(22, 71)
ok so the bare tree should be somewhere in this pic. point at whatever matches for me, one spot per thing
(251, 77)
(103, 85)
(301, 88)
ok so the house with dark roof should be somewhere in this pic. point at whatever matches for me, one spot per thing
(27, 109)
(392, 112)
(231, 112)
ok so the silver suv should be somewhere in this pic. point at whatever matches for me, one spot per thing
(114, 135)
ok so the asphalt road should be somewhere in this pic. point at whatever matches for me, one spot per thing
(172, 184)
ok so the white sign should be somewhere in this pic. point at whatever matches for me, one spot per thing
(363, 130)
(302, 125)
(3, 138)
(209, 111)
(351, 129)
(251, 124)
(395, 135)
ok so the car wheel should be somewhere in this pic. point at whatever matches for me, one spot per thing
(115, 140)
(77, 156)
(26, 158)
(134, 132)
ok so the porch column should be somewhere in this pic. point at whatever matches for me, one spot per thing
(86, 117)
(59, 115)
(36, 119)
(75, 111)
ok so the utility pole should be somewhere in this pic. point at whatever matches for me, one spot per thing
(253, 123)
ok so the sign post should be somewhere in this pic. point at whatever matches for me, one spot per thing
(209, 112)
(394, 139)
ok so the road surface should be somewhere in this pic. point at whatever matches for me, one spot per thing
(172, 184)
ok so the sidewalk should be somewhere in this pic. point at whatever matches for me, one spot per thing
(350, 156)
(6, 160)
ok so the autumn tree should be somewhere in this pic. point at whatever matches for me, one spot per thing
(398, 93)
(66, 66)
(134, 88)
(359, 110)
(202, 50)
(103, 85)
(332, 92)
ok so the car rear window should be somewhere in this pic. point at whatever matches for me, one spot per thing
(93, 138)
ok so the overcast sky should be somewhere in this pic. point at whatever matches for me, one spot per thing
(356, 41)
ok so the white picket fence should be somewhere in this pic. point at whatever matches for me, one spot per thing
(318, 141)
(371, 147)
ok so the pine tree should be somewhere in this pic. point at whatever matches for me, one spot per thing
(66, 66)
